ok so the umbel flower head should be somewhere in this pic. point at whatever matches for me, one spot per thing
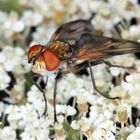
(81, 113)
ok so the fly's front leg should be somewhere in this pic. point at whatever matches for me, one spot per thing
(94, 83)
(43, 92)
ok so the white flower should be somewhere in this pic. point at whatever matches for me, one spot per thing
(4, 79)
(68, 110)
(12, 25)
(99, 125)
(94, 113)
(103, 135)
(7, 133)
(28, 113)
(75, 125)
(92, 98)
(84, 6)
(115, 71)
(3, 16)
(31, 18)
(2, 57)
(135, 135)
(84, 124)
(60, 119)
(19, 116)
(107, 125)
(41, 35)
(81, 99)
(71, 86)
(37, 129)
(12, 58)
(137, 63)
(133, 78)
(97, 135)
(104, 130)
(124, 60)
(104, 10)
(36, 98)
(57, 5)
(19, 51)
(18, 26)
(127, 86)
(133, 81)
(134, 31)
(14, 113)
(95, 5)
(118, 91)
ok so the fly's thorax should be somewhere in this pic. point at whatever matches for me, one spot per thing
(60, 49)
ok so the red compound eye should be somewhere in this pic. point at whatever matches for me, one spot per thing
(51, 60)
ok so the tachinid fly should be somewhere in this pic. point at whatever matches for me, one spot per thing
(75, 46)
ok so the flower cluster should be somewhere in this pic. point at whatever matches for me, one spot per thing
(81, 112)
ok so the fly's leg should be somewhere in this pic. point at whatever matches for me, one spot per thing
(76, 68)
(92, 16)
(43, 92)
(112, 65)
(129, 68)
(54, 94)
(94, 84)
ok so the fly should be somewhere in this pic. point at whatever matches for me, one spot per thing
(76, 45)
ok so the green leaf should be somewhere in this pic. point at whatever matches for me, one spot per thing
(10, 5)
(70, 132)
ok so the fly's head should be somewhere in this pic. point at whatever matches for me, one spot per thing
(44, 60)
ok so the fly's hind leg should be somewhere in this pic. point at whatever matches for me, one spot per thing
(94, 83)
(86, 64)
(115, 65)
